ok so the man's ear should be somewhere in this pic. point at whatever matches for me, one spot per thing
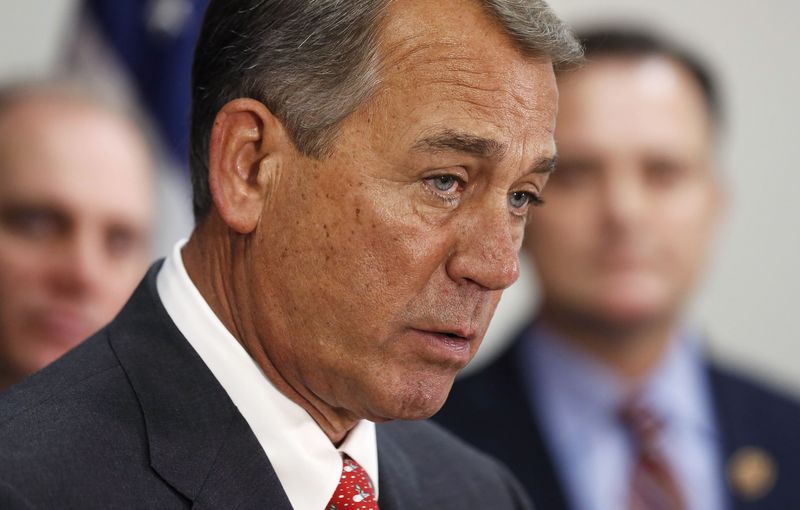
(246, 143)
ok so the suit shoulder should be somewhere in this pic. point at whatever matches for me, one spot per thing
(428, 439)
(51, 417)
(480, 388)
(11, 499)
(751, 412)
(744, 396)
(479, 403)
(450, 468)
(49, 385)
(757, 419)
(71, 431)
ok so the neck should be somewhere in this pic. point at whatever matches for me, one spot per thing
(215, 259)
(6, 380)
(630, 349)
(10, 374)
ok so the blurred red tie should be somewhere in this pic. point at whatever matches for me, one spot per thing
(653, 486)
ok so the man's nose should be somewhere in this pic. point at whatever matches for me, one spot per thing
(78, 265)
(487, 250)
(624, 201)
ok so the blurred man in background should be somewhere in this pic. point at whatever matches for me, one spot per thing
(607, 400)
(76, 205)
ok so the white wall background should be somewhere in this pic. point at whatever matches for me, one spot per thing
(751, 301)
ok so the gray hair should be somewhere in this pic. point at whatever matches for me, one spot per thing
(314, 62)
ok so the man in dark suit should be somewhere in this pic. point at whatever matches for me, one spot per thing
(362, 173)
(608, 400)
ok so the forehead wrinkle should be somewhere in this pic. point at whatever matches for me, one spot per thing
(403, 40)
(395, 55)
(486, 99)
(460, 141)
(446, 60)
(443, 55)
(482, 86)
(466, 70)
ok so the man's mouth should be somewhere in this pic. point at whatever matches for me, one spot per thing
(454, 333)
(64, 327)
(448, 345)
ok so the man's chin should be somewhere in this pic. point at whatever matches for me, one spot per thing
(634, 305)
(414, 406)
(630, 314)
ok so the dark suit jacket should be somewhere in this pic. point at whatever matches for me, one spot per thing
(133, 418)
(491, 410)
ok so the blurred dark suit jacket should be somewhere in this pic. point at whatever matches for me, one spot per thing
(133, 418)
(491, 410)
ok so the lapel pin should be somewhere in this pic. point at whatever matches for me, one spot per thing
(752, 473)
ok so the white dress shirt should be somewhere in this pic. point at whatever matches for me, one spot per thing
(578, 400)
(307, 464)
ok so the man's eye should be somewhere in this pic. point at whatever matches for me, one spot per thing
(522, 199)
(665, 173)
(33, 224)
(122, 242)
(574, 173)
(444, 183)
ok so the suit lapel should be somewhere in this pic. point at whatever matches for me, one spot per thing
(239, 477)
(198, 441)
(519, 436)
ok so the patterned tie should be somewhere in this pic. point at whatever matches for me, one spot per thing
(355, 491)
(652, 485)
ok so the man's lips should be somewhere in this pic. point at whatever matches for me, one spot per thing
(450, 345)
(454, 332)
(64, 327)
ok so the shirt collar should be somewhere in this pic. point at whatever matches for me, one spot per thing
(678, 390)
(585, 393)
(307, 464)
(578, 396)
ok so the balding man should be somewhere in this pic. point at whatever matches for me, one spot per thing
(76, 206)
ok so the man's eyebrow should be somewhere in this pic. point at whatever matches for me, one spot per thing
(545, 166)
(455, 141)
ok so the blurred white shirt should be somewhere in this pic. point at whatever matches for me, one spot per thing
(578, 401)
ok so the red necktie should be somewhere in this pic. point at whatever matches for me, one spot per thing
(652, 485)
(355, 490)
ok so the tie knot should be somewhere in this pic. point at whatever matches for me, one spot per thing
(652, 485)
(355, 490)
(642, 424)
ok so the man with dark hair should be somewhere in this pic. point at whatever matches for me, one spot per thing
(607, 399)
(362, 174)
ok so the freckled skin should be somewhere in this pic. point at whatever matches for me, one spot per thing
(374, 253)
